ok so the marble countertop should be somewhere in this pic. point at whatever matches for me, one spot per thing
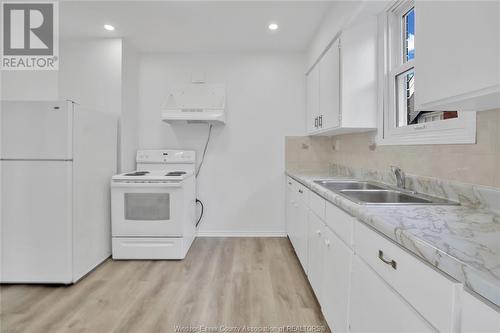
(460, 241)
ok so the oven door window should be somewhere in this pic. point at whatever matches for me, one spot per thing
(147, 206)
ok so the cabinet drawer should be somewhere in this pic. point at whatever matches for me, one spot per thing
(428, 291)
(375, 307)
(302, 193)
(340, 222)
(317, 205)
(290, 183)
(147, 248)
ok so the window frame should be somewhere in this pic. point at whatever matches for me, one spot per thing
(460, 130)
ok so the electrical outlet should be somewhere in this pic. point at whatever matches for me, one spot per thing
(372, 143)
(336, 145)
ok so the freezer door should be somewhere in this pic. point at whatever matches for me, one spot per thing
(38, 130)
(36, 222)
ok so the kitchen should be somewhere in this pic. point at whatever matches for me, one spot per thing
(268, 165)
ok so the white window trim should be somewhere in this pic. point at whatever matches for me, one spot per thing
(461, 130)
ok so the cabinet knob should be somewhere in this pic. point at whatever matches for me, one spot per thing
(390, 262)
(300, 191)
(318, 232)
(327, 242)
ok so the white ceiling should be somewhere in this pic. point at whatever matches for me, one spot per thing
(196, 26)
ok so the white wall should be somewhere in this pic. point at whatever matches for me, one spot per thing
(98, 73)
(29, 85)
(129, 122)
(242, 180)
(90, 73)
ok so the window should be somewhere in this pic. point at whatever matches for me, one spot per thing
(403, 122)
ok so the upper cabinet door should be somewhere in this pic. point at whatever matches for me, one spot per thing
(359, 74)
(312, 99)
(458, 52)
(329, 86)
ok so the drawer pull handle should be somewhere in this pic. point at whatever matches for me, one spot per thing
(300, 191)
(388, 262)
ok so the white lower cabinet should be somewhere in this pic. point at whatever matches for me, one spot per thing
(296, 219)
(431, 293)
(365, 282)
(301, 212)
(316, 229)
(477, 317)
(289, 207)
(375, 307)
(337, 264)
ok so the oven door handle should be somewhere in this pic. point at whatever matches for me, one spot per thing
(123, 184)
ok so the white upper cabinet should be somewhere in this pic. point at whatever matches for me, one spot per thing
(329, 88)
(458, 52)
(313, 100)
(359, 74)
(341, 86)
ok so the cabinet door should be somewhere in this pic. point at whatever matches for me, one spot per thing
(375, 307)
(457, 62)
(337, 263)
(301, 233)
(477, 317)
(329, 88)
(293, 223)
(315, 254)
(359, 74)
(312, 99)
(290, 206)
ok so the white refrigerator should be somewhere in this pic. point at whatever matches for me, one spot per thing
(56, 162)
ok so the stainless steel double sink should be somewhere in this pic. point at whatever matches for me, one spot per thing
(371, 193)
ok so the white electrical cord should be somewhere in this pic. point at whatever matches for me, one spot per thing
(204, 150)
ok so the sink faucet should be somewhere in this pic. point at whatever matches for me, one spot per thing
(400, 176)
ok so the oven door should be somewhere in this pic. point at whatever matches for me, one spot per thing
(146, 209)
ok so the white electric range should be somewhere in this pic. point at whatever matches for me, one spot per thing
(153, 208)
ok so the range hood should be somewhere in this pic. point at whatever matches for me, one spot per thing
(196, 103)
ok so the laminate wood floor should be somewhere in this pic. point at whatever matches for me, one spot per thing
(255, 282)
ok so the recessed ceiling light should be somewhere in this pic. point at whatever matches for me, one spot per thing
(273, 26)
(109, 27)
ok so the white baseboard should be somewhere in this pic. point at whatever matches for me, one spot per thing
(241, 234)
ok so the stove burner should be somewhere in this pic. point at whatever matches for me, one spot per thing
(137, 173)
(175, 173)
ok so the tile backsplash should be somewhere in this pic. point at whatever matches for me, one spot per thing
(475, 164)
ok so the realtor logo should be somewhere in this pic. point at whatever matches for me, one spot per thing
(29, 36)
